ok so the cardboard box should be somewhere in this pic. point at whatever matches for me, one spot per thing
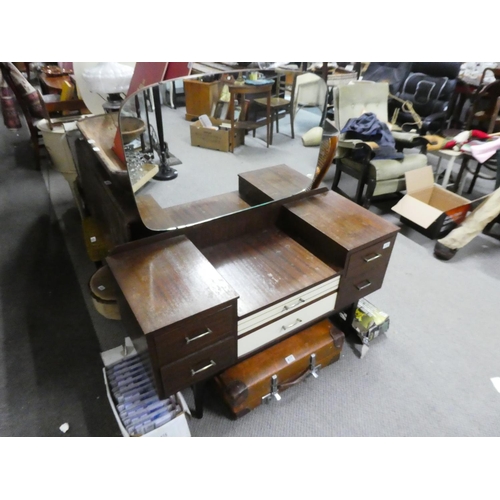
(428, 208)
(177, 427)
(215, 139)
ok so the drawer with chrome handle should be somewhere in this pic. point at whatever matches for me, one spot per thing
(285, 325)
(286, 306)
(371, 258)
(199, 366)
(355, 288)
(194, 334)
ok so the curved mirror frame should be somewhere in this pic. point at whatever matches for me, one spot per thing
(181, 172)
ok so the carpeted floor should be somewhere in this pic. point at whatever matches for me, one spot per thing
(429, 376)
(50, 365)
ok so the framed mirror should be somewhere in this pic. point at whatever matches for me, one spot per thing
(188, 142)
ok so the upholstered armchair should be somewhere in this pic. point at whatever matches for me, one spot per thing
(378, 165)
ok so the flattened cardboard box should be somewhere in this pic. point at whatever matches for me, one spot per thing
(428, 208)
(214, 139)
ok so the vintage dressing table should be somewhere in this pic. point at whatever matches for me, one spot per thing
(227, 275)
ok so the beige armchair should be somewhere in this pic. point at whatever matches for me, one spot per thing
(376, 174)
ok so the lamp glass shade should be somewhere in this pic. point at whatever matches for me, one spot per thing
(108, 78)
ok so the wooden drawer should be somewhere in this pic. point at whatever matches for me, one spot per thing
(286, 306)
(285, 325)
(354, 288)
(194, 334)
(370, 259)
(202, 365)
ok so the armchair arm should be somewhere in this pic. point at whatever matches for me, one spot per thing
(409, 140)
(354, 148)
(432, 123)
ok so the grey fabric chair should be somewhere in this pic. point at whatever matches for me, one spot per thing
(356, 158)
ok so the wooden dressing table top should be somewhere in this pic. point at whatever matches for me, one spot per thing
(265, 267)
(168, 281)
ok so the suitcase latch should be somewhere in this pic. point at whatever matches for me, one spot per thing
(274, 390)
(313, 367)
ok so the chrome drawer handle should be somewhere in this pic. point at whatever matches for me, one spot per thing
(370, 259)
(188, 340)
(195, 372)
(300, 301)
(366, 285)
(297, 321)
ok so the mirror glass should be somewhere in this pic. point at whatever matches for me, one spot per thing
(176, 134)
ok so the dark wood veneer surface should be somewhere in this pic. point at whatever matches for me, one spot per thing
(168, 281)
(341, 220)
(266, 266)
(157, 218)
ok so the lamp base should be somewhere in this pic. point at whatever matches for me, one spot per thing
(166, 174)
(113, 104)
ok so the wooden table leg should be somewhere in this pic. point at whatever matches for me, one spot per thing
(199, 396)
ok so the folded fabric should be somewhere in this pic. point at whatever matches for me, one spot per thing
(368, 128)
(482, 151)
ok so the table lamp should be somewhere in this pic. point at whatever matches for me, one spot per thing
(111, 79)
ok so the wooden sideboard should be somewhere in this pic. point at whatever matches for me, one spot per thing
(205, 297)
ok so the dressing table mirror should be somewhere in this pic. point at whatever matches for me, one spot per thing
(201, 177)
(241, 253)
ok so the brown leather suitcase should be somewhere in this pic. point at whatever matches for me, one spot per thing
(265, 375)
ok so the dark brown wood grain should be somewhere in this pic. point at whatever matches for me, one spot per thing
(168, 282)
(332, 226)
(265, 267)
(159, 219)
(271, 183)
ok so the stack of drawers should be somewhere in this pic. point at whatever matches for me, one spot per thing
(194, 349)
(365, 272)
(286, 316)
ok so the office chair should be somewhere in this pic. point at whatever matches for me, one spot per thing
(358, 159)
(429, 88)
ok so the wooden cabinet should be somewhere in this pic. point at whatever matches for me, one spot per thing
(183, 307)
(231, 287)
(201, 97)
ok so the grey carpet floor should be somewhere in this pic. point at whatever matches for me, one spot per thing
(50, 365)
(429, 376)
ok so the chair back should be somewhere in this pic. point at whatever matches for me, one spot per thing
(430, 86)
(484, 111)
(309, 90)
(355, 99)
(395, 73)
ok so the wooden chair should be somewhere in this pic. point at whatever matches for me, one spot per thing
(244, 94)
(281, 103)
(495, 71)
(484, 115)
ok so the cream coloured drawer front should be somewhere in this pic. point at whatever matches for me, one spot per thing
(286, 324)
(288, 305)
